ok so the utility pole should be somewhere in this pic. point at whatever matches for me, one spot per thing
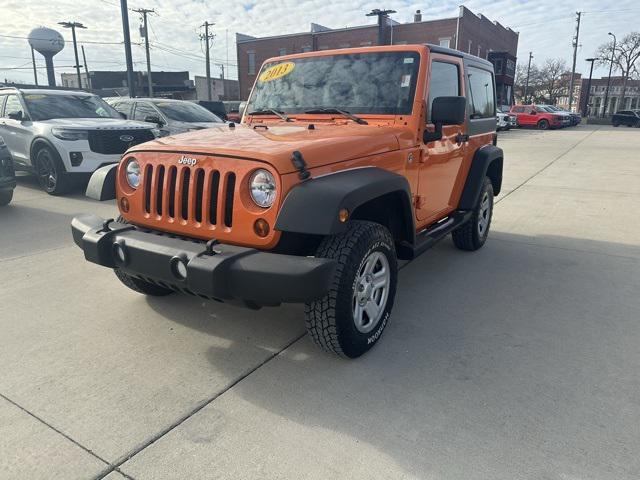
(575, 54)
(86, 69)
(127, 47)
(144, 12)
(382, 15)
(526, 85)
(606, 93)
(73, 26)
(585, 108)
(35, 72)
(206, 38)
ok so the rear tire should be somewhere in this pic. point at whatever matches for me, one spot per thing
(5, 197)
(472, 235)
(543, 125)
(616, 124)
(350, 319)
(52, 176)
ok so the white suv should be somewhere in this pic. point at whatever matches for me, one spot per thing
(65, 135)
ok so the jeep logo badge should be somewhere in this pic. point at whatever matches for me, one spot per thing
(126, 138)
(187, 161)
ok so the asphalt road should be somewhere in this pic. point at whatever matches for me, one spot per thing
(520, 361)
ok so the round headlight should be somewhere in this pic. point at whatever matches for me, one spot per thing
(263, 188)
(133, 173)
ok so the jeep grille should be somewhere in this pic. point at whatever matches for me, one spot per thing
(108, 142)
(197, 196)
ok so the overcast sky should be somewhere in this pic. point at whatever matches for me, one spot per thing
(546, 27)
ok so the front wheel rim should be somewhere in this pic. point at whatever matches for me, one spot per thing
(484, 215)
(371, 292)
(46, 172)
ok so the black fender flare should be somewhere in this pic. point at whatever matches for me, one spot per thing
(486, 161)
(36, 142)
(312, 207)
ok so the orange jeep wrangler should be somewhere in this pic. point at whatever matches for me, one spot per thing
(345, 161)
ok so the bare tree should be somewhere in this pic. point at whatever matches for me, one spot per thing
(626, 58)
(552, 80)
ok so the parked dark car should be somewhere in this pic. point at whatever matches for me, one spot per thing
(7, 175)
(630, 118)
(235, 109)
(214, 106)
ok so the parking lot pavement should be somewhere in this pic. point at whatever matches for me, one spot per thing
(518, 361)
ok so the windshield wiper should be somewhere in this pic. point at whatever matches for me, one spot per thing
(267, 111)
(344, 113)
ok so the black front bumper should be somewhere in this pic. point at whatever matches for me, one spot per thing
(223, 272)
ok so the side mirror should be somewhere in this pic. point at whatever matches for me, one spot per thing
(445, 111)
(154, 119)
(534, 112)
(16, 116)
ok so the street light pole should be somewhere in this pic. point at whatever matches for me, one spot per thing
(526, 85)
(124, 11)
(145, 27)
(585, 107)
(382, 16)
(606, 94)
(73, 26)
(206, 38)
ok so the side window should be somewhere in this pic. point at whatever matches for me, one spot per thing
(482, 101)
(444, 82)
(143, 110)
(518, 109)
(12, 106)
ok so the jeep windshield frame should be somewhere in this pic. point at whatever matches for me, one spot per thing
(364, 83)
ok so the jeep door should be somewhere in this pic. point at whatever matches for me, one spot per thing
(17, 133)
(441, 160)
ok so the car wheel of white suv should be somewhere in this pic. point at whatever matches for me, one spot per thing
(52, 176)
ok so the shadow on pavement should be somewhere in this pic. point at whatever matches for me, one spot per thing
(517, 361)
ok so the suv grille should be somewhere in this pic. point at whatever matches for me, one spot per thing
(197, 196)
(110, 142)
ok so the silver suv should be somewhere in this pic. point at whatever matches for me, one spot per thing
(64, 136)
(171, 116)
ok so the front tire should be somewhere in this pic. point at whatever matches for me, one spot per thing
(5, 197)
(52, 176)
(350, 319)
(543, 125)
(472, 235)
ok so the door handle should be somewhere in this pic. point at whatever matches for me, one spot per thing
(462, 138)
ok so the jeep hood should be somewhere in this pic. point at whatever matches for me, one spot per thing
(275, 143)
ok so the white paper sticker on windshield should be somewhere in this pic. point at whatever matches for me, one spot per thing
(406, 81)
(408, 60)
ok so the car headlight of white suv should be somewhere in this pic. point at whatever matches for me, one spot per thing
(70, 134)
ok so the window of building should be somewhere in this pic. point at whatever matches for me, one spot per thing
(479, 47)
(498, 66)
(469, 51)
(444, 82)
(445, 42)
(282, 51)
(481, 93)
(365, 44)
(306, 48)
(251, 63)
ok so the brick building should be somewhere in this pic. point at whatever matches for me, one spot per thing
(598, 92)
(468, 32)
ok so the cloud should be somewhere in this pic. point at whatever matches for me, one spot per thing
(546, 27)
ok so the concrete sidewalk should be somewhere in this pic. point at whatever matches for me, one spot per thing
(518, 361)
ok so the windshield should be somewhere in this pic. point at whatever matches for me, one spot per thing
(375, 83)
(186, 112)
(46, 107)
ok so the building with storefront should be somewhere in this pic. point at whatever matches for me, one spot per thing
(598, 92)
(468, 32)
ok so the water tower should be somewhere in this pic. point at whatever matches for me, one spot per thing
(47, 42)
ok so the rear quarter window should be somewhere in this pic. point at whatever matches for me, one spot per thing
(481, 93)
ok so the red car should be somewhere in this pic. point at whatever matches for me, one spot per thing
(531, 116)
